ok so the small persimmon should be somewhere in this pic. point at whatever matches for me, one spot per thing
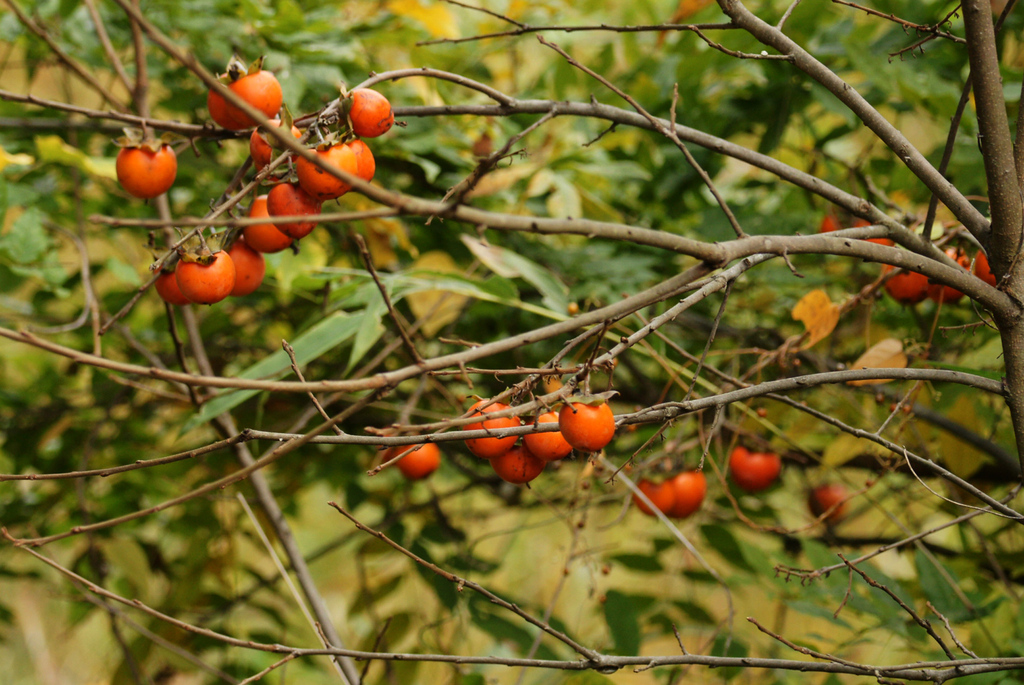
(753, 471)
(168, 290)
(662, 496)
(906, 287)
(982, 269)
(223, 113)
(322, 184)
(550, 446)
(250, 267)
(690, 488)
(259, 88)
(948, 294)
(207, 280)
(517, 465)
(261, 150)
(147, 170)
(289, 199)
(370, 113)
(828, 224)
(264, 237)
(587, 427)
(418, 464)
(488, 448)
(828, 498)
(366, 166)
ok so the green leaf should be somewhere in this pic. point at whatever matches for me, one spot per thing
(937, 588)
(329, 333)
(564, 202)
(27, 241)
(53, 149)
(506, 263)
(723, 542)
(445, 589)
(620, 613)
(816, 610)
(696, 612)
(370, 330)
(123, 272)
(638, 562)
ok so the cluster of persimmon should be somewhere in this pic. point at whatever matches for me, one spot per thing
(682, 494)
(909, 287)
(147, 169)
(586, 425)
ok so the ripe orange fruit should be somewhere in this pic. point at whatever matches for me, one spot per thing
(690, 488)
(289, 199)
(517, 465)
(945, 293)
(261, 150)
(145, 172)
(753, 471)
(224, 115)
(260, 89)
(418, 464)
(206, 283)
(249, 268)
(547, 446)
(908, 287)
(828, 224)
(587, 428)
(370, 113)
(321, 184)
(662, 495)
(366, 166)
(825, 497)
(168, 290)
(488, 448)
(264, 237)
(982, 269)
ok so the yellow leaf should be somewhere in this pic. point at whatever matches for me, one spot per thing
(885, 354)
(818, 315)
(960, 457)
(435, 17)
(492, 256)
(381, 233)
(501, 179)
(379, 236)
(438, 307)
(845, 447)
(54, 149)
(6, 159)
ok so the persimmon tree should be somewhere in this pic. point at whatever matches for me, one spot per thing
(694, 216)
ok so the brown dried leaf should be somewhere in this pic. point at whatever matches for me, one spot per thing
(885, 354)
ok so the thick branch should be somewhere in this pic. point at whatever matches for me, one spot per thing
(994, 137)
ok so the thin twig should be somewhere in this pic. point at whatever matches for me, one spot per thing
(364, 252)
